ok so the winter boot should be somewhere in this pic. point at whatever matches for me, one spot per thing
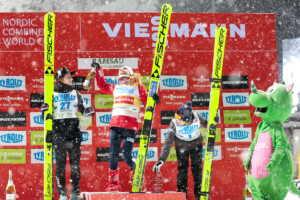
(113, 181)
(74, 196)
(63, 195)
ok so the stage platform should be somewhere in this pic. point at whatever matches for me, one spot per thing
(132, 196)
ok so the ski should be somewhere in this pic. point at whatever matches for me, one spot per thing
(219, 49)
(153, 88)
(49, 37)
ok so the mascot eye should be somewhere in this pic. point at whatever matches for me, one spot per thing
(272, 89)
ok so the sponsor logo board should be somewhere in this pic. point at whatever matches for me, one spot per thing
(217, 137)
(12, 156)
(103, 118)
(235, 99)
(237, 117)
(13, 101)
(12, 138)
(36, 119)
(78, 82)
(36, 138)
(36, 100)
(236, 151)
(12, 83)
(205, 114)
(200, 99)
(108, 63)
(166, 117)
(12, 119)
(153, 136)
(217, 153)
(238, 135)
(172, 155)
(86, 137)
(235, 82)
(104, 101)
(173, 83)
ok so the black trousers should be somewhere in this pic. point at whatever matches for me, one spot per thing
(183, 168)
(73, 148)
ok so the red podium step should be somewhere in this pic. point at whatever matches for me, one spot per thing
(132, 196)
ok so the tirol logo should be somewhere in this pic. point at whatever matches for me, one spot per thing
(105, 118)
(215, 153)
(236, 99)
(150, 154)
(12, 138)
(39, 156)
(173, 82)
(38, 119)
(11, 83)
(86, 100)
(238, 134)
(84, 136)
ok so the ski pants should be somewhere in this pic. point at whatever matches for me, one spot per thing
(61, 147)
(183, 168)
(116, 137)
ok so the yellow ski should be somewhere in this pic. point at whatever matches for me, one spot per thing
(153, 88)
(49, 37)
(219, 49)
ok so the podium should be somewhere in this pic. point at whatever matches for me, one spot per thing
(132, 196)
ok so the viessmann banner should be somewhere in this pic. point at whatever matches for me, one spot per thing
(118, 39)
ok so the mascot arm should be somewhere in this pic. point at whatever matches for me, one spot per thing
(280, 147)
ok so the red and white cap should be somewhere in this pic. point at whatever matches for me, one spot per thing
(129, 69)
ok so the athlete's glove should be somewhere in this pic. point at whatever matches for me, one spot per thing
(95, 65)
(157, 166)
(44, 108)
(156, 98)
(89, 112)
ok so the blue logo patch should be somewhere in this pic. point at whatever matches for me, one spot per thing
(236, 99)
(105, 118)
(188, 129)
(125, 89)
(215, 153)
(84, 136)
(150, 154)
(64, 97)
(153, 88)
(11, 83)
(38, 119)
(173, 82)
(86, 100)
(12, 138)
(111, 80)
(238, 134)
(39, 156)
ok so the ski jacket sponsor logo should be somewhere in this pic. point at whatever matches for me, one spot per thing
(111, 80)
(238, 135)
(12, 138)
(124, 90)
(64, 97)
(12, 82)
(38, 119)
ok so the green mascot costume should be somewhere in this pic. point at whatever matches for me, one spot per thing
(269, 160)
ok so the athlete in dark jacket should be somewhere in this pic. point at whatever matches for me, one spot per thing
(66, 131)
(184, 130)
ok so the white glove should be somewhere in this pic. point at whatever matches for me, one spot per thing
(157, 166)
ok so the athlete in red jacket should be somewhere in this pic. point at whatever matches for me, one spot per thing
(128, 93)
